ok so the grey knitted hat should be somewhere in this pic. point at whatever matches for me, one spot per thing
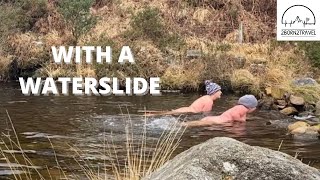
(211, 87)
(248, 101)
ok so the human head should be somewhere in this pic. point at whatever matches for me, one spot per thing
(249, 101)
(213, 89)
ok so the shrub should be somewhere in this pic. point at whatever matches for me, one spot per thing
(78, 17)
(31, 11)
(147, 23)
(20, 16)
(312, 52)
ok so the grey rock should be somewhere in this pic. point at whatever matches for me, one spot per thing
(305, 81)
(226, 158)
(194, 53)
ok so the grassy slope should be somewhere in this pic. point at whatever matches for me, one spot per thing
(208, 26)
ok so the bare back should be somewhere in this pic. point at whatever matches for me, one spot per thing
(236, 113)
(202, 104)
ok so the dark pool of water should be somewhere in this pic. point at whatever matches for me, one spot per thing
(84, 122)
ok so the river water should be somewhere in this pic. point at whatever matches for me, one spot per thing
(84, 123)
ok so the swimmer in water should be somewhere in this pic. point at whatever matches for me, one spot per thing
(202, 104)
(238, 113)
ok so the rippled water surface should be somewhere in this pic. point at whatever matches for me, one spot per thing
(85, 123)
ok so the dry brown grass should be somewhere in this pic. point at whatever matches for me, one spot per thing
(4, 66)
(27, 48)
(244, 80)
(188, 75)
(202, 26)
(53, 21)
(279, 66)
(201, 15)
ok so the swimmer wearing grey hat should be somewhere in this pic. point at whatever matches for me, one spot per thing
(202, 104)
(246, 104)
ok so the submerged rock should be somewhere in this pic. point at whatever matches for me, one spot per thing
(296, 125)
(282, 102)
(226, 158)
(283, 123)
(302, 130)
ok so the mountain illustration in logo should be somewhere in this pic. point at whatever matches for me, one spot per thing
(298, 15)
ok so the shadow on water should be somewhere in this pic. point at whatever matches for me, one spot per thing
(85, 122)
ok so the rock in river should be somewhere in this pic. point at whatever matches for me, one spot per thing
(295, 100)
(226, 158)
(289, 111)
(296, 125)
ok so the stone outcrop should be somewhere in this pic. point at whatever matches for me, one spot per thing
(226, 158)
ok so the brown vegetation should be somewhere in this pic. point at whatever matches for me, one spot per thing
(211, 27)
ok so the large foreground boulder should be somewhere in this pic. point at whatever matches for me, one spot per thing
(226, 158)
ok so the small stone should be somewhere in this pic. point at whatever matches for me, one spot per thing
(194, 53)
(282, 102)
(289, 111)
(299, 130)
(296, 100)
(296, 125)
(268, 90)
(281, 107)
